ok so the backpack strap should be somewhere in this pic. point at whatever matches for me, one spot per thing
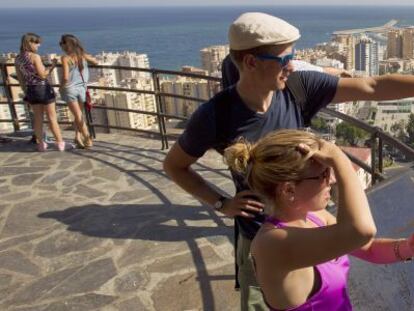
(222, 110)
(296, 88)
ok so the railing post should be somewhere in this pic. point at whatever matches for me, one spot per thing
(373, 157)
(161, 121)
(89, 121)
(380, 155)
(8, 93)
(162, 110)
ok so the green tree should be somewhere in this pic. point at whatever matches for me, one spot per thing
(398, 130)
(320, 125)
(410, 128)
(350, 134)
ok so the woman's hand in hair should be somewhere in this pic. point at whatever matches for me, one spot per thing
(327, 154)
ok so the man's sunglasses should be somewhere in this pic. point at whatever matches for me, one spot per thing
(36, 41)
(283, 61)
(62, 43)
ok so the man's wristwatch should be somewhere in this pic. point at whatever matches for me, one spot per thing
(220, 203)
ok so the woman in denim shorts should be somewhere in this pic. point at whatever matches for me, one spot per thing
(32, 76)
(75, 77)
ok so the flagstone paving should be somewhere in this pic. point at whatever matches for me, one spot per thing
(105, 229)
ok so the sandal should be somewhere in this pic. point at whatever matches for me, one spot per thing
(87, 142)
(78, 143)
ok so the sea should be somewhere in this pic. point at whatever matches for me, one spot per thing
(173, 36)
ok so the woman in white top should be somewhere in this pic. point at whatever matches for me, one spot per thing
(74, 80)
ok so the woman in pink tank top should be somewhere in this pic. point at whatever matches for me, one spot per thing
(300, 253)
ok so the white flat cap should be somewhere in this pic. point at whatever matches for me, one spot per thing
(254, 29)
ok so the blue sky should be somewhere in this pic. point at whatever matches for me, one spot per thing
(108, 3)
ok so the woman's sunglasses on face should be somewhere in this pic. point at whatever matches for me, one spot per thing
(325, 175)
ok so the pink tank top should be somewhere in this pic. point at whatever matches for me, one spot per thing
(332, 294)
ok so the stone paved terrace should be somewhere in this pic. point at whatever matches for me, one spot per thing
(104, 229)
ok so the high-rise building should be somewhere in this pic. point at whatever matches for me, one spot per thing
(329, 62)
(394, 44)
(211, 57)
(407, 43)
(16, 93)
(366, 56)
(189, 87)
(4, 115)
(347, 44)
(134, 101)
(110, 77)
(132, 59)
(390, 112)
(113, 77)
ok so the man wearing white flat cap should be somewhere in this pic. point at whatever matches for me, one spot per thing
(262, 47)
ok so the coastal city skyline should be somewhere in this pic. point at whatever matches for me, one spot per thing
(172, 37)
(376, 50)
(375, 47)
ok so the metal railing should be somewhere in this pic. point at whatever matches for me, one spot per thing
(378, 136)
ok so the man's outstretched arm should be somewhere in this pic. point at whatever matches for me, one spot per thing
(385, 87)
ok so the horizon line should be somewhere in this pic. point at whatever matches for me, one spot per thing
(198, 6)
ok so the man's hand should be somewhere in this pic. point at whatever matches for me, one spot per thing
(243, 204)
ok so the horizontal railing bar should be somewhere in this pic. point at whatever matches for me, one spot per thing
(137, 91)
(173, 116)
(127, 110)
(62, 104)
(408, 151)
(366, 127)
(405, 149)
(148, 70)
(21, 120)
(127, 129)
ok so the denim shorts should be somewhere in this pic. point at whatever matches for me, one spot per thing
(40, 94)
(74, 94)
